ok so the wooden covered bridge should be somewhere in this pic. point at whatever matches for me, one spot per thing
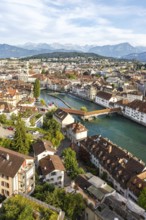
(91, 114)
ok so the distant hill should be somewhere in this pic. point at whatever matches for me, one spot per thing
(136, 56)
(118, 50)
(30, 49)
(67, 55)
(7, 51)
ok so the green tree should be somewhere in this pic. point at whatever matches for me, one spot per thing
(142, 198)
(72, 204)
(13, 117)
(20, 142)
(3, 119)
(42, 101)
(32, 121)
(83, 108)
(20, 208)
(71, 163)
(5, 142)
(53, 129)
(36, 89)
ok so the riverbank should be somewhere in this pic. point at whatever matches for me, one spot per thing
(60, 100)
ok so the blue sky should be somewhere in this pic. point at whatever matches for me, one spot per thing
(96, 22)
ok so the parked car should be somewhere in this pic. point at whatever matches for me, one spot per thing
(10, 137)
(10, 128)
(36, 132)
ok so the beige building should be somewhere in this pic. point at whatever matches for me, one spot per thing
(17, 173)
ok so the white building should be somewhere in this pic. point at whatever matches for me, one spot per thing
(52, 170)
(42, 148)
(76, 132)
(104, 99)
(136, 111)
(63, 118)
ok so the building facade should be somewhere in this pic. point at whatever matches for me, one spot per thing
(17, 173)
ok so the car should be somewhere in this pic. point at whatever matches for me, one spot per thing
(10, 128)
(35, 132)
(10, 137)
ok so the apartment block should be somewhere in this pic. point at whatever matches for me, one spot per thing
(17, 173)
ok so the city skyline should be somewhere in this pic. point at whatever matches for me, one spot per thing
(93, 22)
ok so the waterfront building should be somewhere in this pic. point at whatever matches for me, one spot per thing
(136, 111)
(17, 173)
(136, 184)
(52, 170)
(131, 96)
(119, 165)
(104, 99)
(76, 132)
(63, 118)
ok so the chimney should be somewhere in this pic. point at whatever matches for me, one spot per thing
(110, 149)
(7, 157)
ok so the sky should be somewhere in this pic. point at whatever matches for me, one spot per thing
(93, 22)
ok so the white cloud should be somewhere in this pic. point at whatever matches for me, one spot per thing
(71, 21)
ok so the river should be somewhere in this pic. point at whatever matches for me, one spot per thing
(121, 131)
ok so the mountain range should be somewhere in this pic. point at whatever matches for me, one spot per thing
(123, 50)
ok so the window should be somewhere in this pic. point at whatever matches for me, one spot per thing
(7, 185)
(53, 173)
(59, 178)
(3, 191)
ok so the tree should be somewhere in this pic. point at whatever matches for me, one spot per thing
(5, 142)
(42, 101)
(71, 163)
(32, 121)
(20, 208)
(36, 89)
(142, 198)
(21, 140)
(53, 129)
(3, 119)
(72, 204)
(83, 108)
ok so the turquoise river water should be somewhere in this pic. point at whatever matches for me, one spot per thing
(119, 130)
